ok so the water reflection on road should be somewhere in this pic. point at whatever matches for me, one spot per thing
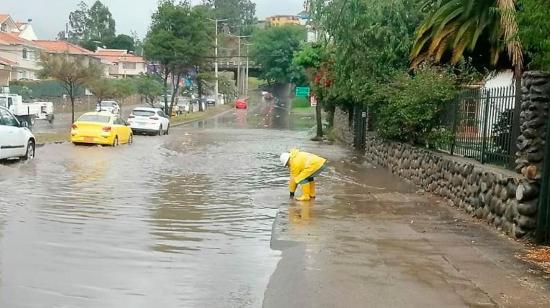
(178, 221)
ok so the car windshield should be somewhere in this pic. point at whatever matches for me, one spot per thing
(143, 113)
(94, 118)
(107, 104)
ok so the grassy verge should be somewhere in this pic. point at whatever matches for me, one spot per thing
(300, 105)
(44, 138)
(195, 116)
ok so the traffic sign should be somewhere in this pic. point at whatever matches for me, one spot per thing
(313, 101)
(302, 91)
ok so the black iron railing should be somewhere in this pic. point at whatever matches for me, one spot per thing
(482, 125)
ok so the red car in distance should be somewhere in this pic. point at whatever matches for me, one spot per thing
(241, 104)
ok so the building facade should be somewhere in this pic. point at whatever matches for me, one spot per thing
(282, 20)
(19, 55)
(121, 63)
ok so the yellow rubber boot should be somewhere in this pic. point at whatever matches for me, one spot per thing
(306, 193)
(312, 192)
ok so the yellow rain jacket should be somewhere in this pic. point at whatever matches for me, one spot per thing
(302, 165)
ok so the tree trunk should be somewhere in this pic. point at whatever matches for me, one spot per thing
(319, 115)
(71, 96)
(199, 84)
(174, 95)
(166, 72)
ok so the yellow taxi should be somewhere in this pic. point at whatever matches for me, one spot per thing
(101, 128)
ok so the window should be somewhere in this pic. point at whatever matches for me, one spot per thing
(7, 118)
(25, 53)
(4, 28)
(94, 118)
(129, 66)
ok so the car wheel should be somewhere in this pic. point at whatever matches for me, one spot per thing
(160, 131)
(167, 130)
(131, 139)
(30, 151)
(115, 142)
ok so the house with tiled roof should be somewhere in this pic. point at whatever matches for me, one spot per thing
(121, 63)
(64, 47)
(20, 57)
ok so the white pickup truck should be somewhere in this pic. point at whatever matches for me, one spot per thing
(27, 112)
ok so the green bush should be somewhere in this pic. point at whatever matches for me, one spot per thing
(410, 107)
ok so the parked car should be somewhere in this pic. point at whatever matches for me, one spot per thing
(211, 101)
(241, 104)
(108, 106)
(27, 112)
(101, 128)
(146, 120)
(16, 140)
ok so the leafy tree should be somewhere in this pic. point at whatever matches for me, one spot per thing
(534, 22)
(370, 43)
(453, 27)
(273, 49)
(100, 24)
(149, 87)
(312, 57)
(123, 88)
(240, 14)
(122, 41)
(71, 71)
(101, 88)
(91, 27)
(78, 22)
(178, 39)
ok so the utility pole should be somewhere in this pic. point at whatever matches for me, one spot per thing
(216, 73)
(247, 70)
(239, 73)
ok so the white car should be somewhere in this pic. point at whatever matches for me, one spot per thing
(16, 141)
(146, 120)
(109, 106)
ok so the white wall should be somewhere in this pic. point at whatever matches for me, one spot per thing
(25, 68)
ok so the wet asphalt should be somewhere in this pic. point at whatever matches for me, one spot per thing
(202, 218)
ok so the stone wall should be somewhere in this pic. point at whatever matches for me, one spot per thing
(503, 198)
(484, 192)
(343, 126)
(533, 120)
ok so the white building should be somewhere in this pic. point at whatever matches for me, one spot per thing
(121, 63)
(19, 55)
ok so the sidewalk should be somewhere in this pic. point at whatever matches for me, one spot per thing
(370, 240)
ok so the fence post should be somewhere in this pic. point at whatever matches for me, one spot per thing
(455, 121)
(515, 122)
(485, 126)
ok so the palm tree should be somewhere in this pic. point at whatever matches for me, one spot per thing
(453, 27)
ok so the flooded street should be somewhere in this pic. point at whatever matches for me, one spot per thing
(202, 218)
(178, 221)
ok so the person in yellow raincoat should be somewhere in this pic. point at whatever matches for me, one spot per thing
(303, 168)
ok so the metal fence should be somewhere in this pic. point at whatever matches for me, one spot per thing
(484, 125)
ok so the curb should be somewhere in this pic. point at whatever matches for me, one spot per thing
(197, 120)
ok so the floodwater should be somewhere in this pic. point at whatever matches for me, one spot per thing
(178, 221)
(202, 218)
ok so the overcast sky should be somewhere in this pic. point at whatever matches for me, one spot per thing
(49, 16)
